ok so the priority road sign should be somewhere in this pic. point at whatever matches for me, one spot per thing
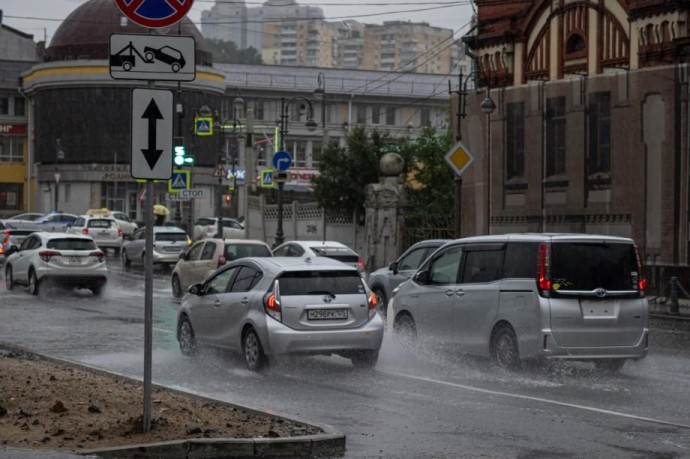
(152, 134)
(152, 57)
(267, 178)
(459, 158)
(154, 13)
(180, 180)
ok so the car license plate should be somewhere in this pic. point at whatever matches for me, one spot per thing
(75, 260)
(326, 314)
(599, 309)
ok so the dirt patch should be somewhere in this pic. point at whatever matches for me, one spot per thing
(49, 405)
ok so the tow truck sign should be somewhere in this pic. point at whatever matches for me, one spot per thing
(152, 57)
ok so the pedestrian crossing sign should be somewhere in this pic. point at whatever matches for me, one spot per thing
(180, 180)
(266, 178)
(203, 125)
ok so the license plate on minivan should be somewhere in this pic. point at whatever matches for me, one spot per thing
(599, 309)
(326, 314)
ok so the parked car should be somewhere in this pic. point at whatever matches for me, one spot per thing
(384, 280)
(207, 227)
(13, 237)
(328, 249)
(205, 256)
(268, 307)
(168, 243)
(128, 226)
(27, 216)
(72, 260)
(56, 222)
(104, 230)
(529, 296)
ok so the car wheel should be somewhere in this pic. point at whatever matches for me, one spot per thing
(176, 287)
(125, 260)
(97, 290)
(365, 359)
(609, 365)
(9, 280)
(185, 335)
(381, 300)
(116, 251)
(254, 356)
(405, 328)
(33, 282)
(504, 348)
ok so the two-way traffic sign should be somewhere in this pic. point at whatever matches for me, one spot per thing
(152, 134)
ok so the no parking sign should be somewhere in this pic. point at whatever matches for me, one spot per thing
(155, 13)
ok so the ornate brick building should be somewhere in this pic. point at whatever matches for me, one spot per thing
(591, 131)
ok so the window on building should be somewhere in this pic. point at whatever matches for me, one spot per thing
(515, 140)
(390, 116)
(259, 112)
(599, 160)
(555, 136)
(4, 106)
(11, 196)
(375, 114)
(19, 106)
(316, 149)
(361, 114)
(11, 149)
(425, 116)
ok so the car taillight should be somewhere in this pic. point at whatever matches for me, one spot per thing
(373, 301)
(98, 254)
(46, 255)
(272, 306)
(221, 261)
(6, 238)
(119, 232)
(85, 231)
(543, 271)
(642, 279)
(360, 262)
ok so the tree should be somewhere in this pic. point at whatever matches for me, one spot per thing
(430, 184)
(226, 52)
(344, 172)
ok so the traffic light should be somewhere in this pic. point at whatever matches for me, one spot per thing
(181, 158)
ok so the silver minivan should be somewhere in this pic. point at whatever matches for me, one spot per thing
(515, 297)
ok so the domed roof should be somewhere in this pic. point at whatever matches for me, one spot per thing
(85, 34)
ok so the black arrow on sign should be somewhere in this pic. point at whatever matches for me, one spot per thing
(151, 153)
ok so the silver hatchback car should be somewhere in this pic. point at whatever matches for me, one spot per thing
(267, 307)
(530, 296)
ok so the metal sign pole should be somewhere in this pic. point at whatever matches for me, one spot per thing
(148, 304)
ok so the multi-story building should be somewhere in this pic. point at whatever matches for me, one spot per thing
(591, 132)
(17, 54)
(80, 118)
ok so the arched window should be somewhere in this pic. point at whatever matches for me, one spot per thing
(575, 44)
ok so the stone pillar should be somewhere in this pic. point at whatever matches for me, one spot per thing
(383, 214)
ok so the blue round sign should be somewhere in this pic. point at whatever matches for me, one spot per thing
(155, 13)
(282, 160)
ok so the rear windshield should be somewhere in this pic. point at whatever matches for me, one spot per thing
(204, 222)
(71, 244)
(341, 254)
(321, 283)
(101, 224)
(588, 266)
(235, 251)
(169, 237)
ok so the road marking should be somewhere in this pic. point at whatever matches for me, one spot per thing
(539, 399)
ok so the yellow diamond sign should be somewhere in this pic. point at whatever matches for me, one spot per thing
(459, 158)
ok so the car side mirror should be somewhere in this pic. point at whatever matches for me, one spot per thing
(422, 277)
(196, 289)
(183, 255)
(394, 267)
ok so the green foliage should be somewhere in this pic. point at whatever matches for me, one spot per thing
(226, 52)
(344, 173)
(430, 187)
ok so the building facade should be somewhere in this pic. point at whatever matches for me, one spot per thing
(17, 53)
(591, 130)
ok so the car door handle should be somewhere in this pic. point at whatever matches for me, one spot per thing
(459, 292)
(450, 292)
(216, 303)
(245, 300)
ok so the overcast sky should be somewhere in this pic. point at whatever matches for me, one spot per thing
(39, 17)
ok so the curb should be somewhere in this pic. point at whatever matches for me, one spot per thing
(327, 444)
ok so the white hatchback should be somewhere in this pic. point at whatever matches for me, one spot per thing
(72, 260)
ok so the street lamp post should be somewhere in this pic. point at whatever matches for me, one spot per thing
(320, 93)
(59, 155)
(283, 130)
(487, 107)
